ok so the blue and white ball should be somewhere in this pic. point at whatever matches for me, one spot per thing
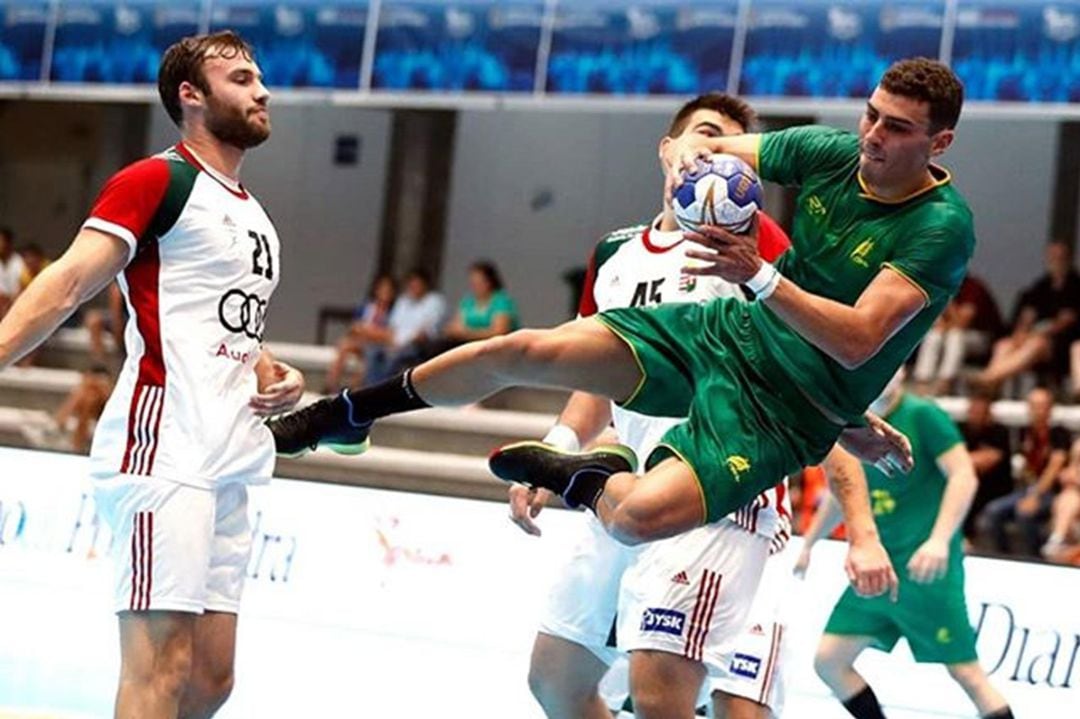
(722, 191)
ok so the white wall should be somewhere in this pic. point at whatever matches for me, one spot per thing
(600, 169)
(329, 218)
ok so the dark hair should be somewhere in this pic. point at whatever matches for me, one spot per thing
(733, 107)
(490, 272)
(184, 60)
(7, 233)
(379, 279)
(421, 274)
(34, 249)
(984, 394)
(930, 81)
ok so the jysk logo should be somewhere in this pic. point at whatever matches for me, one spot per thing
(667, 621)
(815, 206)
(860, 254)
(738, 466)
(745, 665)
(242, 313)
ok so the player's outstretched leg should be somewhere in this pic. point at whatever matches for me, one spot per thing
(582, 355)
(578, 477)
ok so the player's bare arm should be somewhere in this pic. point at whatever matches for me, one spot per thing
(91, 262)
(851, 335)
(582, 420)
(868, 566)
(931, 560)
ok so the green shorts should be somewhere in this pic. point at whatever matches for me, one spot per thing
(932, 617)
(747, 426)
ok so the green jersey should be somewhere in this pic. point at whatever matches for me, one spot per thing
(842, 236)
(905, 508)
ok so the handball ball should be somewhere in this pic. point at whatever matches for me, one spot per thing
(722, 190)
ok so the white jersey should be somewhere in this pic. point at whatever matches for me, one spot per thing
(641, 266)
(203, 262)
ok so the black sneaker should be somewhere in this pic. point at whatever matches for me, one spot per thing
(541, 465)
(326, 423)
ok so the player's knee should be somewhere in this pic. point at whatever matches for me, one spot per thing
(207, 691)
(827, 666)
(167, 673)
(967, 675)
(652, 702)
(558, 693)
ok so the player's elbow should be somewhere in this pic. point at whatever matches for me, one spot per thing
(856, 349)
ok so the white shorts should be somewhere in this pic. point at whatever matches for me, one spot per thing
(175, 546)
(582, 604)
(755, 658)
(691, 594)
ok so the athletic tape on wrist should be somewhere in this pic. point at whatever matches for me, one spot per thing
(764, 281)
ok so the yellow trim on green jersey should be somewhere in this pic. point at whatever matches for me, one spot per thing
(700, 487)
(943, 179)
(909, 278)
(637, 360)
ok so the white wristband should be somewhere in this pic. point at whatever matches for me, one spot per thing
(562, 437)
(764, 282)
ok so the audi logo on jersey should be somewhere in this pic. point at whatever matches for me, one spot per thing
(243, 314)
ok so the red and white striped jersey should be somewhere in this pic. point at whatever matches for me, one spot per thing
(203, 263)
(641, 266)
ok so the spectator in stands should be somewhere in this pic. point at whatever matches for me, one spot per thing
(370, 317)
(968, 328)
(34, 261)
(415, 322)
(1044, 324)
(83, 405)
(1043, 454)
(11, 269)
(486, 310)
(110, 320)
(990, 448)
(1066, 510)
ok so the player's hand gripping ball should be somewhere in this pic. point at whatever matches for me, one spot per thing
(722, 191)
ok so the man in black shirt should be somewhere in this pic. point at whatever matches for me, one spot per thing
(991, 451)
(1044, 323)
(1045, 451)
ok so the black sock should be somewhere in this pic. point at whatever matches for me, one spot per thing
(864, 705)
(1005, 713)
(586, 487)
(393, 396)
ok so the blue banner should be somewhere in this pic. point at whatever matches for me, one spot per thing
(652, 47)
(1018, 51)
(98, 41)
(22, 40)
(824, 48)
(301, 43)
(486, 45)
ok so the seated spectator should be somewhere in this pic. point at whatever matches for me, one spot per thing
(991, 452)
(34, 261)
(415, 322)
(968, 328)
(1066, 510)
(1043, 454)
(1044, 324)
(11, 269)
(486, 311)
(111, 320)
(83, 406)
(373, 314)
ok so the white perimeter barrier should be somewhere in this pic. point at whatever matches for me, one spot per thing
(372, 603)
